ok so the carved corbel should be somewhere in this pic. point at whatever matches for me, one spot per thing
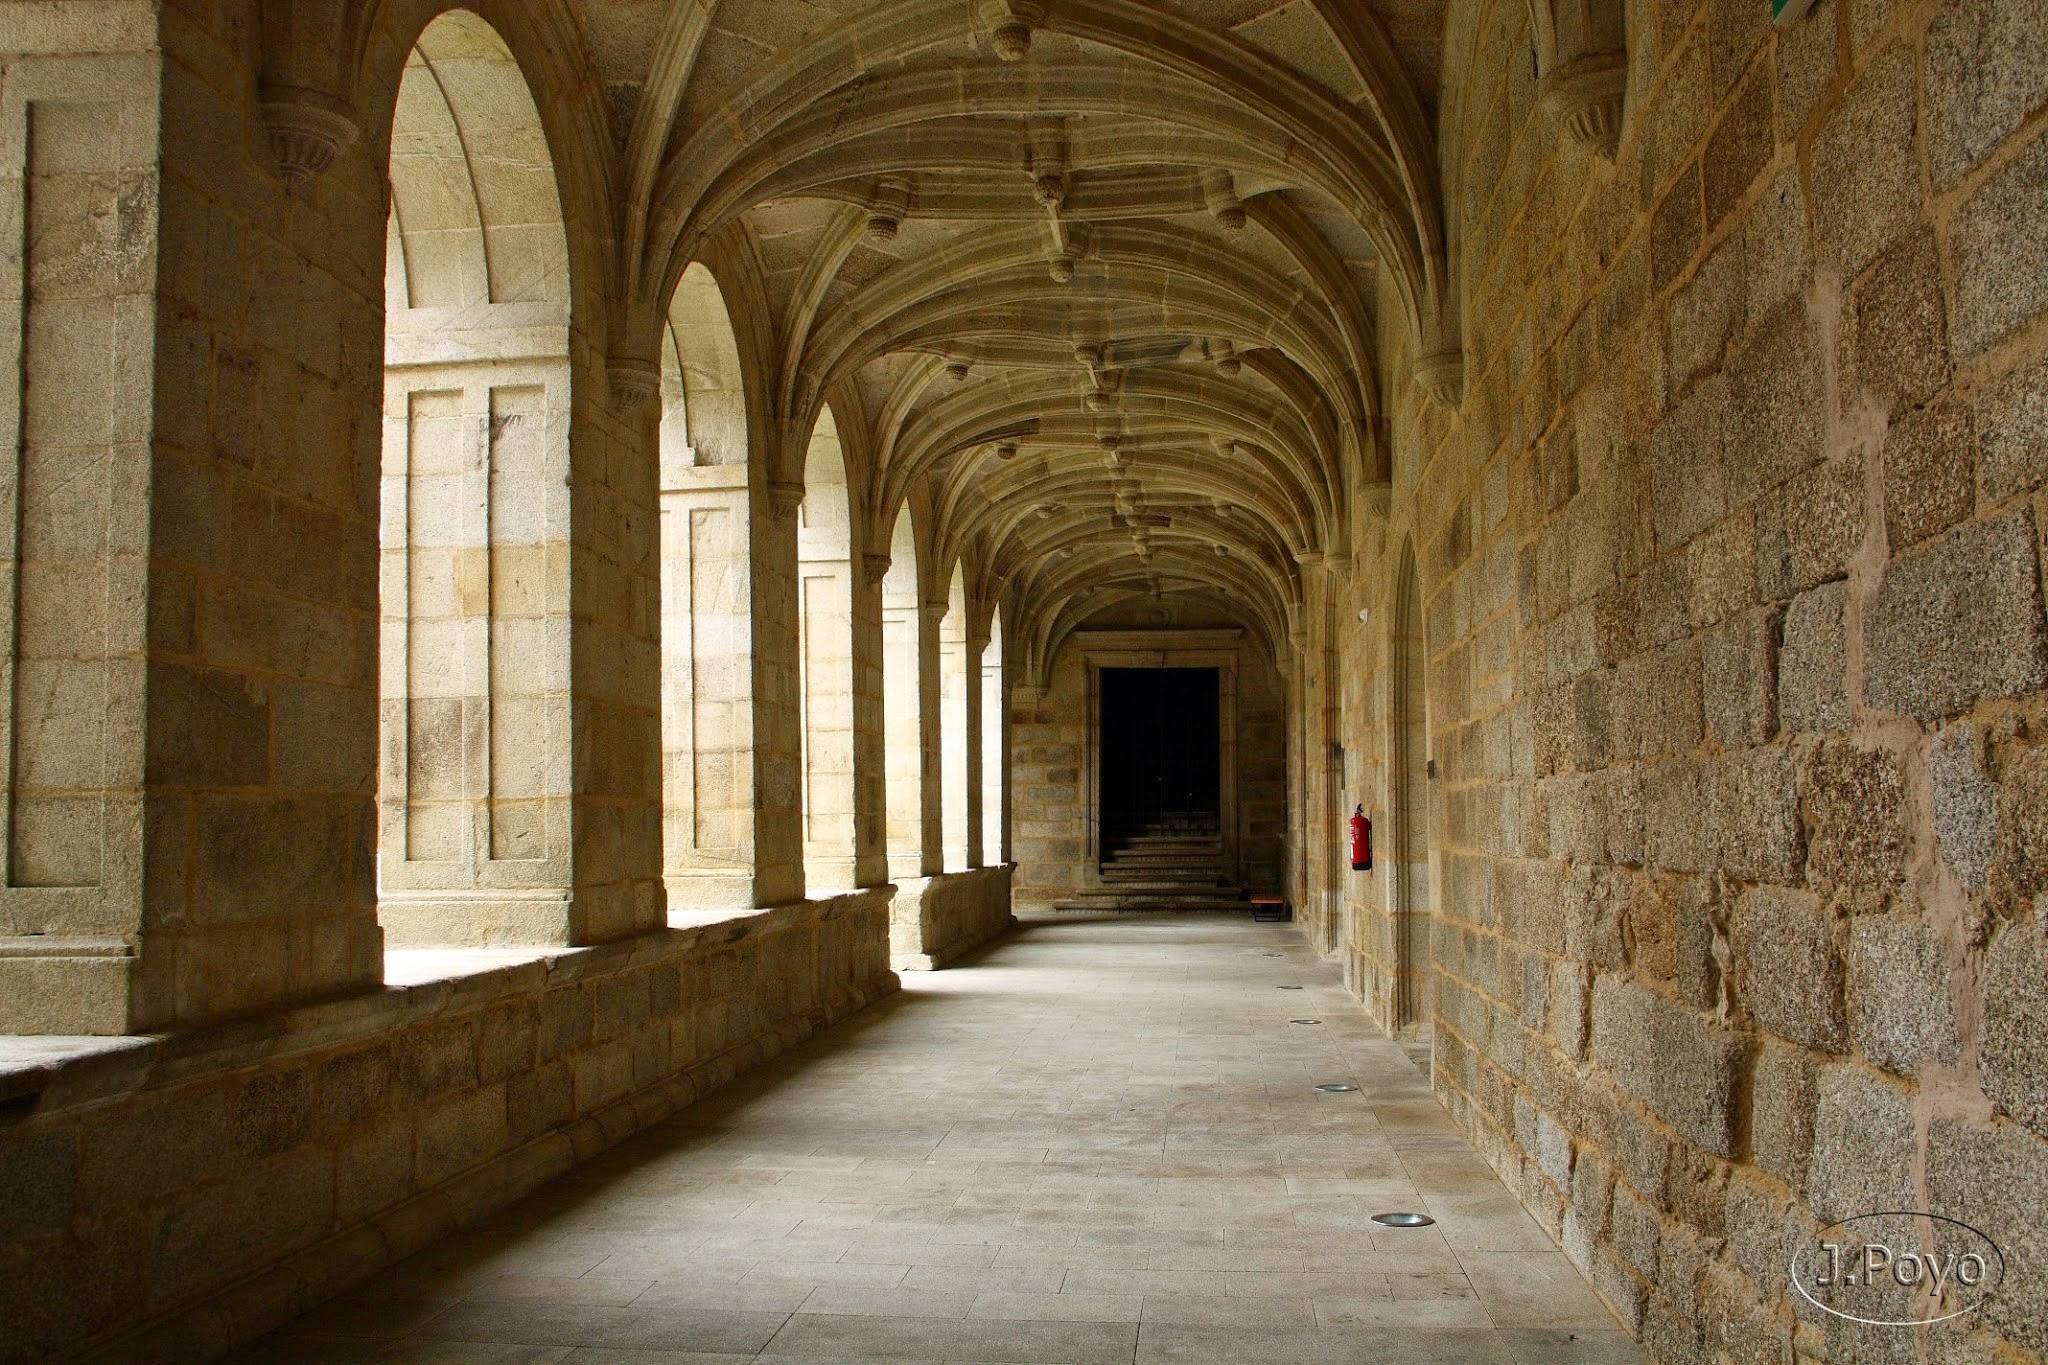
(1010, 26)
(784, 497)
(632, 381)
(887, 209)
(1219, 192)
(1442, 377)
(1582, 53)
(874, 567)
(307, 129)
(1377, 500)
(1585, 96)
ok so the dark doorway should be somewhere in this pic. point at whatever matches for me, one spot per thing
(1161, 751)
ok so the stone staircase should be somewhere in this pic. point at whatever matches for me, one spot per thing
(1175, 862)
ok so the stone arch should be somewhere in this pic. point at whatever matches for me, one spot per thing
(707, 723)
(1411, 902)
(825, 660)
(475, 787)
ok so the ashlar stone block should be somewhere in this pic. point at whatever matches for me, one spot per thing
(1791, 970)
(1901, 1010)
(2013, 1048)
(1958, 621)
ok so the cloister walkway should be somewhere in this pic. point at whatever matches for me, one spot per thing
(1099, 1142)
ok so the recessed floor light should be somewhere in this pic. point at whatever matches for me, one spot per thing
(1287, 988)
(1304, 1021)
(1272, 955)
(1403, 1220)
(1336, 1087)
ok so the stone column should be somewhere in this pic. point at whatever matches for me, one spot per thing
(995, 757)
(930, 616)
(870, 724)
(971, 704)
(188, 710)
(777, 702)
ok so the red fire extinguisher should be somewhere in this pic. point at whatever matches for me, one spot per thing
(1361, 841)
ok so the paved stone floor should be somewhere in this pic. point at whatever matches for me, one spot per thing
(1099, 1142)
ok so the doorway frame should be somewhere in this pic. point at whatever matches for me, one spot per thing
(1217, 649)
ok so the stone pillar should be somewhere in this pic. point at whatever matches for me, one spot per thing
(871, 787)
(931, 813)
(971, 786)
(188, 711)
(776, 696)
(995, 757)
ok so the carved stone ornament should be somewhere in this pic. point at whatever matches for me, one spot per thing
(307, 131)
(633, 382)
(784, 497)
(874, 567)
(1442, 377)
(1585, 97)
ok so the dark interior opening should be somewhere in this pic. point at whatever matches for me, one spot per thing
(1161, 751)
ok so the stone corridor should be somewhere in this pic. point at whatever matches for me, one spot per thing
(1100, 1142)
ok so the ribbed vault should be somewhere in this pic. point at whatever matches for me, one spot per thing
(1093, 283)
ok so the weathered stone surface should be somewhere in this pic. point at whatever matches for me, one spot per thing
(1929, 475)
(1782, 1097)
(1855, 812)
(1813, 662)
(1901, 353)
(1981, 79)
(1806, 533)
(1864, 153)
(1957, 621)
(1863, 1140)
(1901, 1010)
(1681, 1066)
(2013, 1051)
(1739, 678)
(2010, 418)
(2001, 233)
(1972, 1174)
(1965, 803)
(1790, 971)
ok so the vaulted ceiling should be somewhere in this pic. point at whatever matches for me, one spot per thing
(1092, 282)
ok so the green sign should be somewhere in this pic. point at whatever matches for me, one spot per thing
(1788, 11)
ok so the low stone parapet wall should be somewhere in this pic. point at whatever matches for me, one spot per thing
(167, 1197)
(937, 920)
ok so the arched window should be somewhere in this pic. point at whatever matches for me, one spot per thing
(706, 609)
(474, 674)
(902, 707)
(825, 664)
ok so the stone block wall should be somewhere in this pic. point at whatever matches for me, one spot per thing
(170, 1196)
(1731, 556)
(934, 921)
